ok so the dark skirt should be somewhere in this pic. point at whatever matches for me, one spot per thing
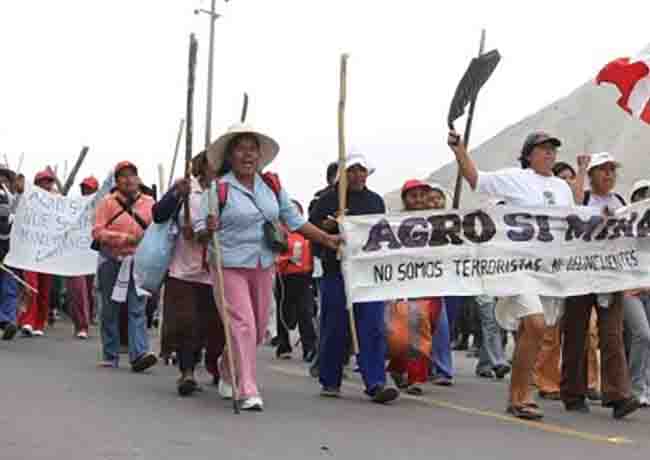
(190, 319)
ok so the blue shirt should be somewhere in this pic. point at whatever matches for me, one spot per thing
(241, 233)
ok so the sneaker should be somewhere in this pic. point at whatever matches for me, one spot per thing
(443, 381)
(38, 333)
(382, 394)
(330, 392)
(415, 390)
(9, 331)
(144, 362)
(485, 374)
(579, 406)
(644, 402)
(82, 335)
(625, 407)
(225, 389)
(27, 330)
(501, 371)
(252, 404)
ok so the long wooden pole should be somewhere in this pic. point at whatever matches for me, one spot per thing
(75, 170)
(189, 116)
(220, 299)
(176, 149)
(468, 129)
(343, 181)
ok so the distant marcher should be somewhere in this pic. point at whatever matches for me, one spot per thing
(120, 222)
(35, 319)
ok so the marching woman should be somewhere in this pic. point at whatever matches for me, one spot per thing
(249, 204)
(417, 196)
(191, 321)
(34, 320)
(120, 223)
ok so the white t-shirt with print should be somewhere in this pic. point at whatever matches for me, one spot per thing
(600, 202)
(524, 187)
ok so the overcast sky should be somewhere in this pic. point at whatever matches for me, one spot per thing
(112, 75)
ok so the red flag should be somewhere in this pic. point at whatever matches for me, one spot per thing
(632, 78)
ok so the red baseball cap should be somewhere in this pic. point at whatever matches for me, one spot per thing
(46, 174)
(90, 182)
(122, 165)
(413, 184)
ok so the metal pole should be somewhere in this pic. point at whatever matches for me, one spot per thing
(468, 130)
(208, 111)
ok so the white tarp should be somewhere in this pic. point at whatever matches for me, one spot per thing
(500, 251)
(52, 233)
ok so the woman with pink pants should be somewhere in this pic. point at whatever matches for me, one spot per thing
(247, 200)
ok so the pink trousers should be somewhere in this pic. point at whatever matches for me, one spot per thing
(248, 294)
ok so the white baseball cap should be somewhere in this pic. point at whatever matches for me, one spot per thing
(601, 158)
(638, 185)
(356, 159)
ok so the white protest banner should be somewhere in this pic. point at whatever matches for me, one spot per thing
(500, 251)
(52, 233)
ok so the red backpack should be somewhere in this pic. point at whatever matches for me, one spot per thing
(269, 178)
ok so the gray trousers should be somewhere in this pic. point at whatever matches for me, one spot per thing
(637, 342)
(491, 354)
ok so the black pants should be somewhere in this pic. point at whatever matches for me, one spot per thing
(295, 300)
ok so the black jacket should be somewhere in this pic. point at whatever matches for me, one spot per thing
(359, 203)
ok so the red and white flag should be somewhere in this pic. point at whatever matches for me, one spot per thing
(632, 78)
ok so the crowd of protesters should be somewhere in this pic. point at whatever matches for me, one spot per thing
(593, 347)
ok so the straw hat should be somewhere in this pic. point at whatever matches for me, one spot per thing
(269, 148)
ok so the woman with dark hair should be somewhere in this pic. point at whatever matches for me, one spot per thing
(191, 322)
(249, 203)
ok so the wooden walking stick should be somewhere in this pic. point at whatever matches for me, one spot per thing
(343, 183)
(189, 117)
(178, 145)
(220, 299)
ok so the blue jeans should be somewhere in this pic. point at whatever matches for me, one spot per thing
(110, 314)
(335, 329)
(442, 363)
(491, 354)
(8, 298)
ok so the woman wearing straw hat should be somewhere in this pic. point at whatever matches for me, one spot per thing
(249, 205)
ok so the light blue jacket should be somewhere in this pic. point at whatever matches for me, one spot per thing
(241, 233)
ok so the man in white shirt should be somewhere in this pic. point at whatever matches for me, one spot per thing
(616, 388)
(531, 185)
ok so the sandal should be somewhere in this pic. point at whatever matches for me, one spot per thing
(526, 412)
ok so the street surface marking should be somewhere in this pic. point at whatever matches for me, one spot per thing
(556, 429)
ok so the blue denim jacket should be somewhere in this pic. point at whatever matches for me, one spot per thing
(240, 233)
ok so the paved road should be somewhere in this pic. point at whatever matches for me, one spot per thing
(56, 404)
